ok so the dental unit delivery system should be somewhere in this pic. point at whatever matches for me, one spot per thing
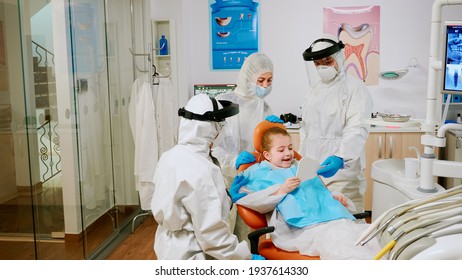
(419, 223)
(429, 227)
(429, 165)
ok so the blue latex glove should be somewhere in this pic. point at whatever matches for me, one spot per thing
(237, 184)
(244, 158)
(256, 257)
(274, 119)
(330, 166)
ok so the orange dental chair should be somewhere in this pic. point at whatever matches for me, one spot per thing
(260, 243)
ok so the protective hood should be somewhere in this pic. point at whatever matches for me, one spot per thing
(201, 120)
(254, 65)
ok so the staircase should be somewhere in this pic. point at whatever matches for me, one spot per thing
(44, 84)
(44, 78)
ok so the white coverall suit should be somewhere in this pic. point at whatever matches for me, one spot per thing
(190, 203)
(334, 116)
(237, 135)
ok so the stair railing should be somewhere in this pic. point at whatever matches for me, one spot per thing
(49, 145)
(49, 150)
(45, 52)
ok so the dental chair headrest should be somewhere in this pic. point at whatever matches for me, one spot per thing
(258, 133)
(260, 130)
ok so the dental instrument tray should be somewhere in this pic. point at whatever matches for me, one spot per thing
(395, 117)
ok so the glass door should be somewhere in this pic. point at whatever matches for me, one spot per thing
(66, 175)
(31, 205)
(93, 126)
(101, 97)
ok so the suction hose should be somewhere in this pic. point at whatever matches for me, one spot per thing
(370, 233)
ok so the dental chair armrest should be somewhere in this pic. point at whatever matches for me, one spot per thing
(254, 237)
(363, 215)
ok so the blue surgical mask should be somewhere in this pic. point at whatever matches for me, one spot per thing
(261, 91)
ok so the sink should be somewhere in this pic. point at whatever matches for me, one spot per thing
(391, 172)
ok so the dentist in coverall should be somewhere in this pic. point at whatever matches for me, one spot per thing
(333, 130)
(190, 202)
(254, 83)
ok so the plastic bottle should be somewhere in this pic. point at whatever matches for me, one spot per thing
(459, 119)
(163, 44)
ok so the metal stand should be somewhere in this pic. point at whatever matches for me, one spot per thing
(144, 213)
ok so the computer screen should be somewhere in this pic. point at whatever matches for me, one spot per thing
(452, 67)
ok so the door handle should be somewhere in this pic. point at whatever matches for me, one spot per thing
(391, 146)
(380, 147)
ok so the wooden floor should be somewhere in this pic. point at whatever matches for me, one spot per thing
(136, 246)
(139, 245)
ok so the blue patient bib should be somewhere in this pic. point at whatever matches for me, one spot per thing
(309, 204)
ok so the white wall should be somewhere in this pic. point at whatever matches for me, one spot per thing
(288, 28)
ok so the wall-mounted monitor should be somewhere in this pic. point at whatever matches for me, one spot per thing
(213, 90)
(452, 65)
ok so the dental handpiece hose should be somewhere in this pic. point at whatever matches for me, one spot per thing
(388, 247)
(427, 214)
(435, 218)
(370, 233)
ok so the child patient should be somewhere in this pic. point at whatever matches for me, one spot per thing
(307, 217)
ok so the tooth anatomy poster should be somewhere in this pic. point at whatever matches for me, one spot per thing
(359, 29)
(234, 32)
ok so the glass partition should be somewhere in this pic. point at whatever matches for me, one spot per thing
(93, 125)
(31, 204)
(66, 176)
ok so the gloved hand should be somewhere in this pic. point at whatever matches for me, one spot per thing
(237, 184)
(330, 166)
(244, 158)
(274, 119)
(256, 257)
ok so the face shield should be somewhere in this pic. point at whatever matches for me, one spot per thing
(203, 118)
(222, 109)
(324, 52)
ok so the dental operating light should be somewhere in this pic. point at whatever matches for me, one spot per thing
(399, 73)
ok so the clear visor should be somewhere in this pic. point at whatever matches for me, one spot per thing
(313, 77)
(311, 67)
